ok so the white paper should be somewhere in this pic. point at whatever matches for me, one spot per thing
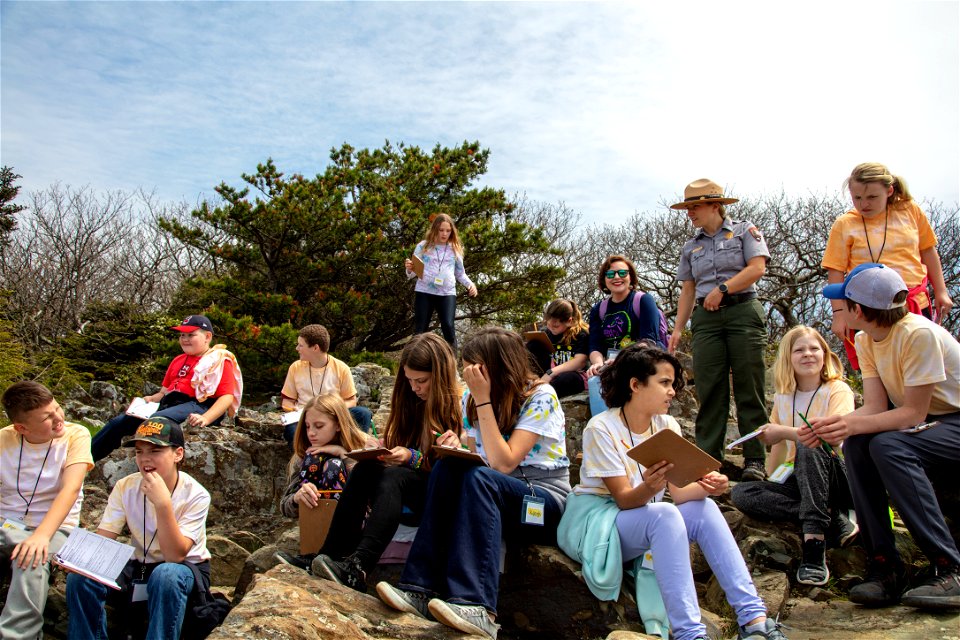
(290, 417)
(94, 556)
(140, 408)
(749, 436)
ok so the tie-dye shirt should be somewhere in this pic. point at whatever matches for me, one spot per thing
(540, 414)
(441, 263)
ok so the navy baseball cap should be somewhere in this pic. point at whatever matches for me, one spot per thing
(192, 323)
(871, 284)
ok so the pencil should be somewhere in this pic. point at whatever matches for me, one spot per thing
(826, 446)
(437, 434)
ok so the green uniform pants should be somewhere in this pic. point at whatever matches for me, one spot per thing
(731, 339)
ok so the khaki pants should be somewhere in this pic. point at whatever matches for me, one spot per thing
(22, 615)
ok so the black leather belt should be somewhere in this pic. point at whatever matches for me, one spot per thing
(730, 299)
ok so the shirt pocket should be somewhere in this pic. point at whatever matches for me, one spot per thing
(729, 255)
(701, 265)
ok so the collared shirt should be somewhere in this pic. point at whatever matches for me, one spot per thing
(710, 260)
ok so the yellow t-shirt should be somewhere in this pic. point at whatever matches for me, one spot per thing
(304, 382)
(908, 232)
(73, 447)
(190, 505)
(915, 352)
(834, 398)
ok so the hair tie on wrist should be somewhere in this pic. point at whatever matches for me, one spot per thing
(483, 404)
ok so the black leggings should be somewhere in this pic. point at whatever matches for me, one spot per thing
(565, 384)
(386, 489)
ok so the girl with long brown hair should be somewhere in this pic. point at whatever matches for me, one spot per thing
(564, 363)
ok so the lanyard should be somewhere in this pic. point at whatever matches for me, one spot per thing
(322, 380)
(439, 257)
(793, 417)
(39, 474)
(886, 219)
(653, 428)
(146, 549)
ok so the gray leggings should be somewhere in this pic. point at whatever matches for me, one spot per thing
(817, 487)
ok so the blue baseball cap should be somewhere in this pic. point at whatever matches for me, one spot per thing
(871, 284)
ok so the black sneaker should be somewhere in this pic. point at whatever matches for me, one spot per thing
(843, 531)
(300, 562)
(346, 572)
(753, 470)
(813, 568)
(939, 590)
(883, 585)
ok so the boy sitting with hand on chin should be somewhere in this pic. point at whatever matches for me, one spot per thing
(200, 386)
(913, 364)
(43, 461)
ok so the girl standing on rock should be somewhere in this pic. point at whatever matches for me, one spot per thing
(618, 493)
(425, 409)
(442, 255)
(515, 424)
(809, 485)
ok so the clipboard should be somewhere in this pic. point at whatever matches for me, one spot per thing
(690, 463)
(538, 336)
(417, 266)
(315, 524)
(368, 454)
(457, 452)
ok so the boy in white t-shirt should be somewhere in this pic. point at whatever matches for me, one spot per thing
(43, 461)
(913, 365)
(165, 511)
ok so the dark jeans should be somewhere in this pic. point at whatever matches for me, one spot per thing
(386, 490)
(900, 464)
(470, 508)
(565, 384)
(730, 340)
(817, 489)
(361, 415)
(424, 304)
(112, 433)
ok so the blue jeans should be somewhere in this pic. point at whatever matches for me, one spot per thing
(111, 435)
(470, 509)
(424, 305)
(168, 589)
(597, 405)
(666, 530)
(361, 415)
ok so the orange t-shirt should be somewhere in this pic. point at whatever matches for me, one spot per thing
(895, 239)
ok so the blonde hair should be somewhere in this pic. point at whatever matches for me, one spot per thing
(348, 433)
(867, 172)
(784, 379)
(566, 310)
(434, 232)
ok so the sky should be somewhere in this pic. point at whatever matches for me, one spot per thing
(609, 108)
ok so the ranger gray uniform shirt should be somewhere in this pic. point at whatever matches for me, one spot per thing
(710, 260)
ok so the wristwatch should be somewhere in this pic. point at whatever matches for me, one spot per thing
(723, 287)
(548, 373)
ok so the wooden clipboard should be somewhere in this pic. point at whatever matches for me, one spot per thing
(417, 266)
(368, 454)
(690, 463)
(457, 452)
(538, 336)
(315, 524)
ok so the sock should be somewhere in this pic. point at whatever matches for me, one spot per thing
(757, 626)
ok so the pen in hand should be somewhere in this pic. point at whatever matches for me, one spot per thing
(437, 434)
(826, 446)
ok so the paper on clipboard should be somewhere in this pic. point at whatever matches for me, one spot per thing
(749, 436)
(368, 454)
(94, 556)
(140, 408)
(290, 417)
(690, 463)
(417, 266)
(458, 452)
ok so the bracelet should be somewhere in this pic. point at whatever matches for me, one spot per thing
(483, 404)
(416, 459)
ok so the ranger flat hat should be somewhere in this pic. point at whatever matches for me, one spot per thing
(702, 190)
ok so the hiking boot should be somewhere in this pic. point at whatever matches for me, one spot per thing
(346, 572)
(402, 600)
(770, 631)
(753, 471)
(813, 567)
(300, 562)
(940, 588)
(464, 617)
(843, 531)
(883, 585)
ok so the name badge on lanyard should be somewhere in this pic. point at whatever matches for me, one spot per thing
(13, 523)
(533, 510)
(438, 281)
(139, 591)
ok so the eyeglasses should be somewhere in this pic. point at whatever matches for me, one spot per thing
(614, 273)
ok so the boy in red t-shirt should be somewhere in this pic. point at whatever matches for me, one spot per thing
(184, 395)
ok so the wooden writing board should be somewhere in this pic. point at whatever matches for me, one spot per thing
(314, 525)
(690, 463)
(368, 454)
(457, 452)
(538, 336)
(417, 266)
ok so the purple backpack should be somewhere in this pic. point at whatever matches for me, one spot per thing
(663, 331)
